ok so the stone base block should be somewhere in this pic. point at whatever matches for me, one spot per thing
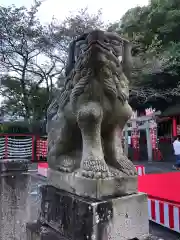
(79, 218)
(36, 231)
(12, 165)
(76, 184)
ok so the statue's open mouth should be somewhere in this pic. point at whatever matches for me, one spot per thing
(96, 43)
(96, 46)
(99, 47)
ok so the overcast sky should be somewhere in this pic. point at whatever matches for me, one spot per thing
(112, 10)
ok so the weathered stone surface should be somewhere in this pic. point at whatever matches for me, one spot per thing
(74, 217)
(86, 119)
(94, 188)
(36, 231)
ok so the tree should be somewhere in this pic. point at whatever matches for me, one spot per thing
(24, 60)
(59, 35)
(34, 57)
(13, 105)
(154, 32)
(18, 27)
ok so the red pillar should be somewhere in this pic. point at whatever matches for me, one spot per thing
(174, 127)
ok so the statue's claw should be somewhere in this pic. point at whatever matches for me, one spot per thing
(65, 169)
(96, 169)
(126, 166)
(66, 164)
(95, 175)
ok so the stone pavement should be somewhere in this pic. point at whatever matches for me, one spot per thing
(158, 167)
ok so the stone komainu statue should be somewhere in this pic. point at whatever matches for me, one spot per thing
(85, 118)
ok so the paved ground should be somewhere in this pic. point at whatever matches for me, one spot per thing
(20, 202)
(158, 167)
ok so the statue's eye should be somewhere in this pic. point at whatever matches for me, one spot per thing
(114, 42)
(106, 74)
(106, 40)
(83, 73)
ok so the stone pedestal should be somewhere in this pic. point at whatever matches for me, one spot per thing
(13, 165)
(69, 216)
(95, 188)
(35, 231)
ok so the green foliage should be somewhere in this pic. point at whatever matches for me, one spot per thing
(154, 31)
(171, 59)
(13, 99)
(21, 34)
(58, 35)
(22, 127)
(14, 128)
(34, 58)
(29, 84)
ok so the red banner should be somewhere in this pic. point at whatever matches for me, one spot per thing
(153, 135)
(156, 152)
(135, 143)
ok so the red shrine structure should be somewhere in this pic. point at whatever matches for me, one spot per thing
(170, 121)
(153, 131)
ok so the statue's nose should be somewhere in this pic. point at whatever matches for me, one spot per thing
(95, 36)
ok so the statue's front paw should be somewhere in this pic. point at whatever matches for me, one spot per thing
(95, 168)
(66, 164)
(66, 169)
(95, 175)
(129, 172)
(126, 166)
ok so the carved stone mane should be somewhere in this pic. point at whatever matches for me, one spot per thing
(76, 65)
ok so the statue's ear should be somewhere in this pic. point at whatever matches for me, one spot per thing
(72, 53)
(71, 58)
(127, 58)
